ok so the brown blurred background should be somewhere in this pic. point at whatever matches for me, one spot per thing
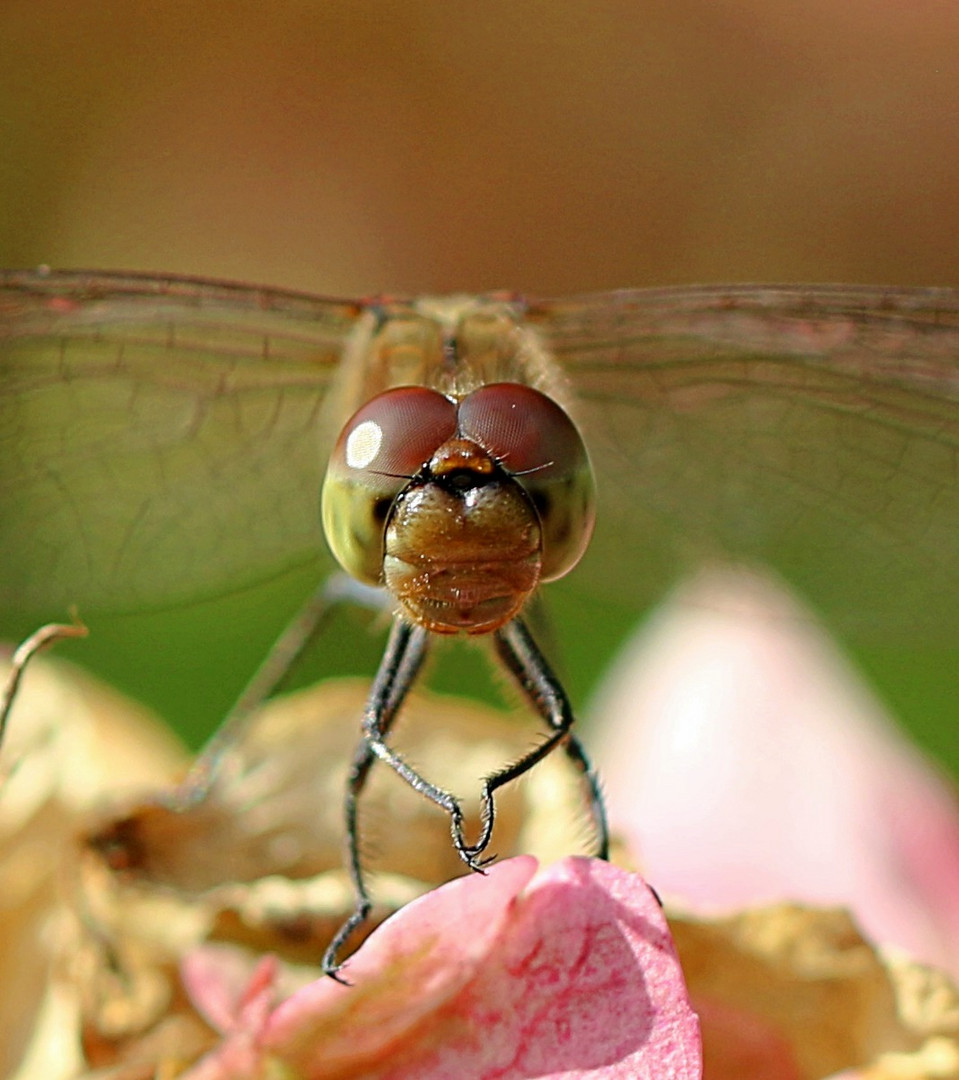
(547, 147)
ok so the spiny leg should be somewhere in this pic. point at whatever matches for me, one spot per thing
(375, 729)
(298, 634)
(404, 656)
(522, 658)
(405, 652)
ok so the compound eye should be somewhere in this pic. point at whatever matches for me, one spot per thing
(395, 433)
(533, 439)
(383, 445)
(522, 429)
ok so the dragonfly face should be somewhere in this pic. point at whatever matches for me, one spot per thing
(459, 507)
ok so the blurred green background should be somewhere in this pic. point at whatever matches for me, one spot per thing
(550, 147)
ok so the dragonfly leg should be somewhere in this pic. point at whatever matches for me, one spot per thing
(525, 662)
(404, 656)
(299, 633)
(362, 904)
(405, 652)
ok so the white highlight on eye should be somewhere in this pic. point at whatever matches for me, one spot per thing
(363, 444)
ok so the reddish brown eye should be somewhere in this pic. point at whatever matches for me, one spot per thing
(383, 444)
(522, 428)
(534, 439)
(397, 432)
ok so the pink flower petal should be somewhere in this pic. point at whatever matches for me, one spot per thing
(213, 973)
(237, 1002)
(748, 765)
(570, 974)
(409, 968)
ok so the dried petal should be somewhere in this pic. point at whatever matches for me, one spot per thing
(69, 741)
(791, 993)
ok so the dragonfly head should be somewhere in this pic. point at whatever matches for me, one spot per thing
(460, 508)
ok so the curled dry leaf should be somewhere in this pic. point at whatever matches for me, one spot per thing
(793, 993)
(70, 743)
(275, 804)
(138, 905)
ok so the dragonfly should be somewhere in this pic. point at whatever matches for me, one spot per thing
(164, 439)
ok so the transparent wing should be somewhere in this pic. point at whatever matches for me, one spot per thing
(160, 439)
(165, 439)
(813, 429)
